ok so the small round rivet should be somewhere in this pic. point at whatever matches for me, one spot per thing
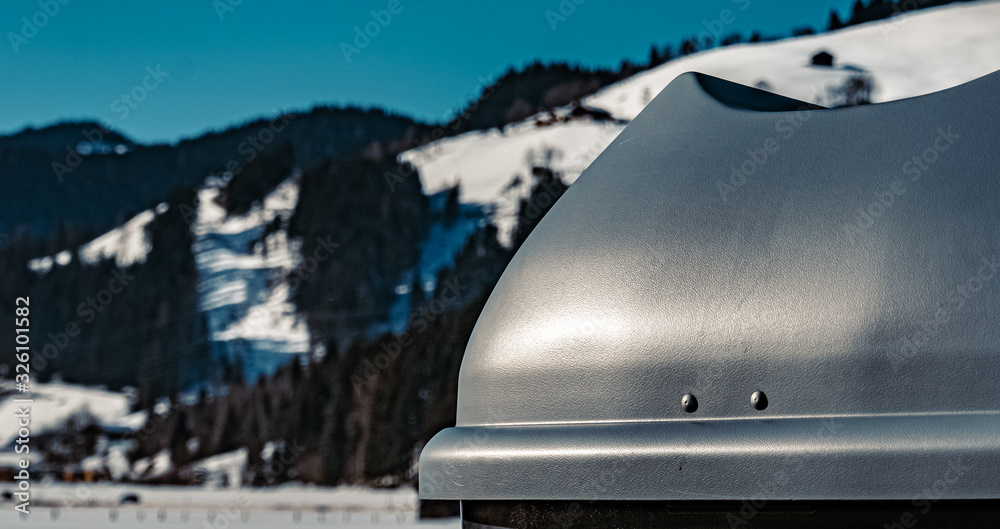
(689, 403)
(758, 400)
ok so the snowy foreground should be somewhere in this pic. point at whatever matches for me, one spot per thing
(58, 504)
(135, 517)
(84, 505)
(94, 518)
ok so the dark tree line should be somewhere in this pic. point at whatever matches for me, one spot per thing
(377, 230)
(873, 10)
(100, 190)
(100, 324)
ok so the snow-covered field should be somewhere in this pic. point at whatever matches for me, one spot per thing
(130, 517)
(486, 163)
(102, 519)
(86, 505)
(285, 497)
(59, 504)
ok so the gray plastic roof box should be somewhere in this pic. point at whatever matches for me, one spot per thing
(841, 262)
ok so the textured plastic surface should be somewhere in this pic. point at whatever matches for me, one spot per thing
(844, 262)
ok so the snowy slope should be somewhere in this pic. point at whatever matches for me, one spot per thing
(126, 245)
(244, 271)
(285, 497)
(909, 55)
(244, 274)
(485, 163)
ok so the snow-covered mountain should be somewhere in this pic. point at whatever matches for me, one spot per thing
(908, 55)
(494, 167)
(246, 264)
(244, 270)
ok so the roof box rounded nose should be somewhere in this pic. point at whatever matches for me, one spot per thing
(749, 297)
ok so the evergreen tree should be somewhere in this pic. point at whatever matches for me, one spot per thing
(179, 436)
(834, 23)
(654, 57)
(231, 438)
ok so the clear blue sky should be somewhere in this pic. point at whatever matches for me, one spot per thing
(262, 56)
